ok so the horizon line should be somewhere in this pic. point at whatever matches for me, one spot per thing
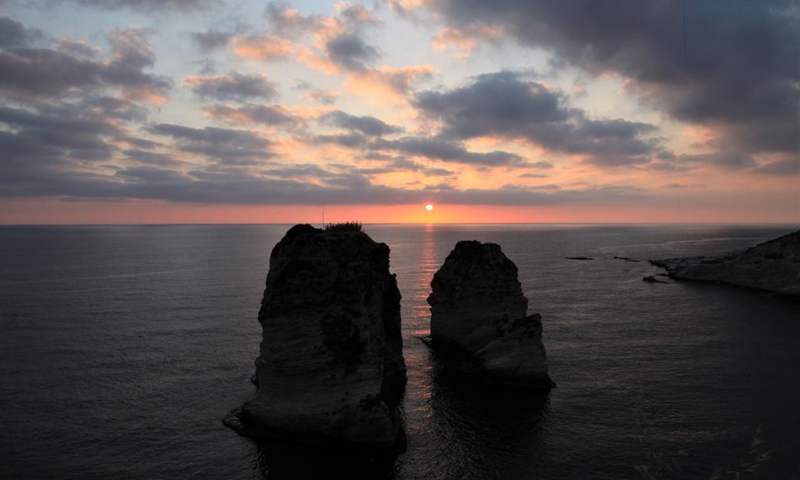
(390, 224)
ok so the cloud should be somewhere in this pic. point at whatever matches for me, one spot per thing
(465, 40)
(270, 115)
(298, 170)
(437, 172)
(348, 140)
(788, 166)
(521, 195)
(30, 73)
(72, 150)
(350, 52)
(15, 34)
(78, 48)
(41, 146)
(292, 23)
(437, 149)
(503, 104)
(137, 142)
(263, 47)
(400, 164)
(738, 75)
(151, 175)
(367, 125)
(151, 158)
(549, 186)
(329, 43)
(221, 145)
(391, 163)
(289, 185)
(393, 83)
(498, 103)
(540, 164)
(679, 186)
(211, 40)
(425, 147)
(533, 175)
(325, 97)
(67, 132)
(730, 160)
(75, 120)
(234, 86)
(112, 108)
(289, 22)
(152, 5)
(334, 44)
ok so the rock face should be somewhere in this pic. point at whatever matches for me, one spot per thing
(330, 368)
(479, 318)
(772, 266)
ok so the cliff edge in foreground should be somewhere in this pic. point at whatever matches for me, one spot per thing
(773, 266)
(330, 368)
(479, 319)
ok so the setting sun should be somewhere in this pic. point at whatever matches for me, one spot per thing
(429, 207)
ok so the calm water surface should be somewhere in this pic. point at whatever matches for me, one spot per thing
(121, 348)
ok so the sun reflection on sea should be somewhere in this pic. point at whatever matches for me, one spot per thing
(418, 361)
(428, 267)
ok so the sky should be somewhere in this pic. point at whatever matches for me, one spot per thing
(238, 111)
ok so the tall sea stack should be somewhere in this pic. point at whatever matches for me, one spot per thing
(330, 369)
(480, 321)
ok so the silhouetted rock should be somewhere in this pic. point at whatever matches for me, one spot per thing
(331, 368)
(652, 279)
(479, 319)
(772, 266)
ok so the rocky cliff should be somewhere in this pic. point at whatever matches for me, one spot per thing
(479, 318)
(330, 368)
(772, 266)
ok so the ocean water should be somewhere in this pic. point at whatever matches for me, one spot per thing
(121, 349)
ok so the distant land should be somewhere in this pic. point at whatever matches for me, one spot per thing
(772, 266)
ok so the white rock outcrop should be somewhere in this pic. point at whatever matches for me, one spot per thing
(773, 266)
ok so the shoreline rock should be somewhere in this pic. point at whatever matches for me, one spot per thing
(772, 266)
(479, 319)
(652, 279)
(330, 369)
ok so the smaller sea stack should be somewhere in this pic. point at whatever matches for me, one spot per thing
(480, 321)
(330, 369)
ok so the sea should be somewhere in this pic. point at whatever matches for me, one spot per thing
(123, 347)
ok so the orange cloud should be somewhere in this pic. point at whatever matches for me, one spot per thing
(263, 47)
(390, 84)
(317, 61)
(407, 5)
(466, 39)
(145, 94)
(698, 134)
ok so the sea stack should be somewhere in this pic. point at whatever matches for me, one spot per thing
(331, 368)
(480, 321)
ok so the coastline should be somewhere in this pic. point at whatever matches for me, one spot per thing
(772, 266)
